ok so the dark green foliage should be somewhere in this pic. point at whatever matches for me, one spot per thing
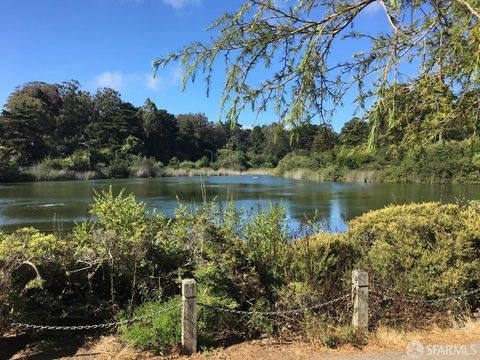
(8, 167)
(159, 333)
(231, 159)
(203, 162)
(160, 130)
(57, 131)
(354, 132)
(292, 161)
(324, 140)
(118, 168)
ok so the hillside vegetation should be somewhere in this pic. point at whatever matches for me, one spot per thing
(58, 131)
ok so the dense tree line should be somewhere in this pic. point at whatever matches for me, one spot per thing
(41, 121)
(61, 127)
(56, 120)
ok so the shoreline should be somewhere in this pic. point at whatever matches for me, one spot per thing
(321, 175)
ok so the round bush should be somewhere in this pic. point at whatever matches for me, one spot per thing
(319, 268)
(429, 249)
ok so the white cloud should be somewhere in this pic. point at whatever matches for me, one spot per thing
(114, 80)
(178, 4)
(153, 83)
(164, 80)
(121, 81)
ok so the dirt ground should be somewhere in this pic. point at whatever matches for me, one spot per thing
(382, 344)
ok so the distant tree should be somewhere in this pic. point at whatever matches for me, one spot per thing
(8, 166)
(325, 139)
(257, 140)
(29, 120)
(76, 113)
(354, 132)
(160, 132)
(20, 138)
(114, 121)
(238, 138)
(277, 143)
(196, 135)
(303, 136)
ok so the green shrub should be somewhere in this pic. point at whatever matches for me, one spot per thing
(51, 164)
(353, 158)
(32, 268)
(78, 161)
(174, 163)
(292, 161)
(187, 165)
(118, 168)
(230, 159)
(141, 166)
(320, 266)
(266, 239)
(443, 161)
(159, 333)
(203, 162)
(261, 160)
(429, 249)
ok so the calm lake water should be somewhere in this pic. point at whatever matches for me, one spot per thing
(48, 205)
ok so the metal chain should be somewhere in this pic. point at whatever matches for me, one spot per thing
(427, 301)
(280, 312)
(96, 326)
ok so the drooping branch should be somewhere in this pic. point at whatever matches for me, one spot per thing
(470, 8)
(293, 47)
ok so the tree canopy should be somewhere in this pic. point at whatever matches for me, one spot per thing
(292, 43)
(60, 131)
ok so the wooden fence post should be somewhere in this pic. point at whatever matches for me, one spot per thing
(189, 316)
(360, 298)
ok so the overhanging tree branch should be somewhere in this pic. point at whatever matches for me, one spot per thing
(293, 43)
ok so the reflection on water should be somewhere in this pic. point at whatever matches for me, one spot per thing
(51, 204)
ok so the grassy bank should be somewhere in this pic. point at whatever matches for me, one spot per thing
(438, 163)
(332, 174)
(320, 175)
(37, 173)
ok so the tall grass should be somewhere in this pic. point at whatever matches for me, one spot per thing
(332, 174)
(42, 173)
(172, 172)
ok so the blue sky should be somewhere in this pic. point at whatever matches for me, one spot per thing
(112, 43)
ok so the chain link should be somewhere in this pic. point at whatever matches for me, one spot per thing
(96, 326)
(427, 301)
(239, 312)
(280, 312)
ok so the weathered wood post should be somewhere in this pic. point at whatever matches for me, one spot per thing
(189, 316)
(360, 298)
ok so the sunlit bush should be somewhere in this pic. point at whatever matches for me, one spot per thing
(292, 161)
(141, 166)
(429, 249)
